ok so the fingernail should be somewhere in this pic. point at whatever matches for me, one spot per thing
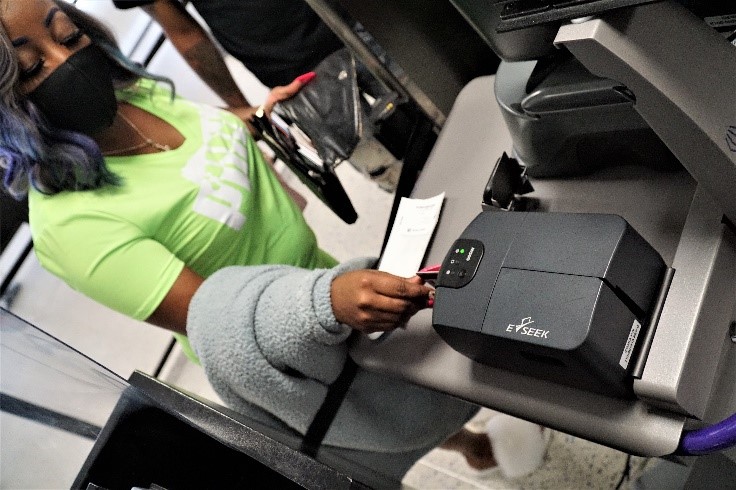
(307, 77)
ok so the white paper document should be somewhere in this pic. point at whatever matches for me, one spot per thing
(413, 227)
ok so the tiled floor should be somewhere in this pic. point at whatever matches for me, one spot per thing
(569, 463)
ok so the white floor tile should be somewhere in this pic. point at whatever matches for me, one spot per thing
(37, 457)
(570, 464)
(113, 340)
(346, 241)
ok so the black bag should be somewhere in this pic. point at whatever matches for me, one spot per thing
(328, 109)
(341, 112)
(338, 111)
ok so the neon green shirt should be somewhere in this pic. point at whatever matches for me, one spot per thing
(211, 203)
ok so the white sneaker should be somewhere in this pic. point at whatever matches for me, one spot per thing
(518, 445)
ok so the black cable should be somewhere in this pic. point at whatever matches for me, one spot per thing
(626, 473)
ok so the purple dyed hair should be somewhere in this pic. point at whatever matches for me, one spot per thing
(34, 153)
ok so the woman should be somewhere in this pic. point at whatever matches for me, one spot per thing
(166, 211)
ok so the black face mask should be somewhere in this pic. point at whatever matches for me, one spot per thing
(79, 94)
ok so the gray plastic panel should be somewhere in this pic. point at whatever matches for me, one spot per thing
(580, 244)
(681, 72)
(565, 329)
(557, 308)
(475, 299)
(595, 245)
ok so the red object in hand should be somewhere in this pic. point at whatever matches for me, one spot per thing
(429, 273)
(431, 268)
(306, 78)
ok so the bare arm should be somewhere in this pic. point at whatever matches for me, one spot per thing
(197, 48)
(172, 312)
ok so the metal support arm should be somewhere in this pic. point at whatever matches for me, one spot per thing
(682, 74)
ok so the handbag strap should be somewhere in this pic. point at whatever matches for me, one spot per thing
(326, 414)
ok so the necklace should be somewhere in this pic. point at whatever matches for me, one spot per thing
(146, 140)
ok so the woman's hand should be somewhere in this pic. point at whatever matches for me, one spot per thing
(372, 301)
(245, 112)
(277, 94)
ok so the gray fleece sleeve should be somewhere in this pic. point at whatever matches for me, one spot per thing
(267, 335)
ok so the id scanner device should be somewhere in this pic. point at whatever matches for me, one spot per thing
(558, 296)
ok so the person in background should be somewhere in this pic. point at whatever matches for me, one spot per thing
(276, 40)
(166, 211)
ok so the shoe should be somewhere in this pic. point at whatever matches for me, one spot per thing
(518, 445)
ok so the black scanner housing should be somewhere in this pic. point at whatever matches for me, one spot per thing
(557, 296)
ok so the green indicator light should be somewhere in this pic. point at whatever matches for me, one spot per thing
(462, 250)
